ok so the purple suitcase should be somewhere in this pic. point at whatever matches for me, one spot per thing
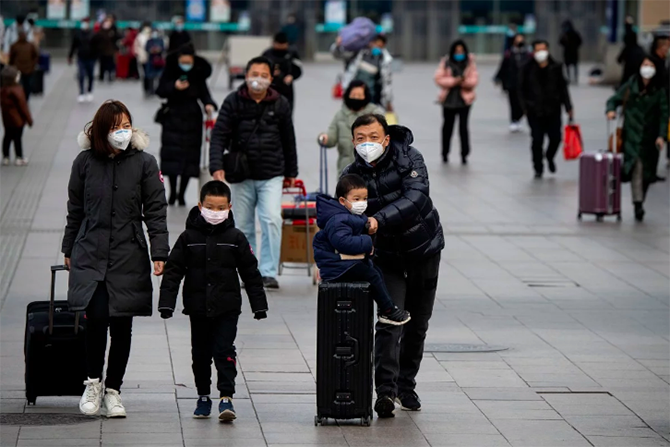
(600, 185)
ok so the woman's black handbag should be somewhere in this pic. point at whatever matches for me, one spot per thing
(161, 114)
(236, 163)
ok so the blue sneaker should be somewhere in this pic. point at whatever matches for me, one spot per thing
(226, 410)
(203, 408)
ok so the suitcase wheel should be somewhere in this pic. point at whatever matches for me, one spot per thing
(618, 217)
(579, 216)
(318, 421)
(365, 422)
(599, 218)
(31, 400)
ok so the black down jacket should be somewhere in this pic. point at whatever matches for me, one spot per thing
(108, 198)
(210, 256)
(271, 151)
(181, 139)
(542, 91)
(399, 198)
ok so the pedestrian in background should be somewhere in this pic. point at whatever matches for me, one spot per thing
(357, 102)
(179, 37)
(571, 40)
(140, 49)
(109, 36)
(373, 66)
(543, 90)
(660, 47)
(11, 35)
(85, 43)
(255, 129)
(631, 56)
(645, 128)
(24, 56)
(15, 114)
(508, 76)
(287, 66)
(114, 186)
(184, 85)
(156, 60)
(457, 77)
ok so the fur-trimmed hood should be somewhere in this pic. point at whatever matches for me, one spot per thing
(139, 140)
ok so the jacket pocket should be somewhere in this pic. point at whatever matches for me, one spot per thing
(139, 235)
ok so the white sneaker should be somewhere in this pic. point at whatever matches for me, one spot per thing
(113, 404)
(21, 162)
(514, 127)
(5, 161)
(81, 98)
(91, 399)
(89, 97)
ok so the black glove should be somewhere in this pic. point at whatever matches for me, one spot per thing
(165, 314)
(260, 315)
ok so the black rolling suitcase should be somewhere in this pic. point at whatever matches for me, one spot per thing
(54, 349)
(37, 82)
(344, 352)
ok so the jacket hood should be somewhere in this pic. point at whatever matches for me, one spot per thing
(273, 95)
(139, 140)
(195, 221)
(326, 208)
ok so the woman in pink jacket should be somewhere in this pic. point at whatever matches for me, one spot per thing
(457, 77)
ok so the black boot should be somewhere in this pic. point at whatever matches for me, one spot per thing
(639, 211)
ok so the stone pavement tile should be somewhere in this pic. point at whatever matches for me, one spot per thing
(467, 356)
(465, 440)
(9, 435)
(453, 423)
(627, 426)
(60, 443)
(131, 425)
(251, 376)
(537, 410)
(494, 378)
(620, 441)
(133, 439)
(502, 394)
(285, 412)
(251, 442)
(558, 380)
(301, 427)
(282, 387)
(88, 430)
(261, 398)
(12, 405)
(540, 433)
(314, 438)
(382, 435)
(586, 405)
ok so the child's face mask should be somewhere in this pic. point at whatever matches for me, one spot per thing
(214, 217)
(358, 208)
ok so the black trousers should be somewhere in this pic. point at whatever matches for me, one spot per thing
(27, 84)
(575, 71)
(448, 128)
(177, 193)
(515, 109)
(368, 272)
(108, 66)
(541, 126)
(13, 135)
(399, 349)
(214, 338)
(120, 330)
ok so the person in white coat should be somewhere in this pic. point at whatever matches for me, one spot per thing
(140, 49)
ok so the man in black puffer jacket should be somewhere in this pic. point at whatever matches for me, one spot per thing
(407, 249)
(255, 130)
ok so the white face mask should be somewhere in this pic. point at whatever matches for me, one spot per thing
(258, 84)
(358, 208)
(647, 71)
(120, 139)
(370, 151)
(541, 56)
(214, 217)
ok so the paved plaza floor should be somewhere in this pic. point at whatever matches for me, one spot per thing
(583, 307)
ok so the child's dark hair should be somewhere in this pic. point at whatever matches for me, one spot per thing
(214, 188)
(348, 183)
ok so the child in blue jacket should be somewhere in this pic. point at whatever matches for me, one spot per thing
(342, 247)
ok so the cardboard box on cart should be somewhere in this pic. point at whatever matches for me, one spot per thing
(294, 242)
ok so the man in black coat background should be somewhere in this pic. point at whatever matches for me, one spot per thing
(407, 249)
(253, 148)
(543, 90)
(287, 66)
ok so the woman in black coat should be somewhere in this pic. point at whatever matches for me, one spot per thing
(184, 85)
(571, 40)
(114, 186)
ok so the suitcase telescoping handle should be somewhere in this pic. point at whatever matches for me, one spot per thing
(52, 298)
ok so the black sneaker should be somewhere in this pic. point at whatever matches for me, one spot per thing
(384, 407)
(538, 175)
(551, 165)
(409, 401)
(639, 211)
(270, 283)
(394, 316)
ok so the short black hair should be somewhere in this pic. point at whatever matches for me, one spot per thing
(187, 49)
(540, 42)
(370, 118)
(355, 84)
(381, 37)
(215, 188)
(281, 37)
(20, 19)
(259, 60)
(348, 183)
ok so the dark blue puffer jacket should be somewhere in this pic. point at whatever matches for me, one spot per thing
(342, 233)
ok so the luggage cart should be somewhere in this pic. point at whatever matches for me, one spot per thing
(299, 217)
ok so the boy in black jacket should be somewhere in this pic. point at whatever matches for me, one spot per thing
(210, 253)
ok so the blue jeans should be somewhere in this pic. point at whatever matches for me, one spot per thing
(86, 68)
(264, 196)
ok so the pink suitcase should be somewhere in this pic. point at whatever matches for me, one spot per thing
(600, 185)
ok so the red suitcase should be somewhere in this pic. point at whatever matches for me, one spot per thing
(122, 66)
(600, 185)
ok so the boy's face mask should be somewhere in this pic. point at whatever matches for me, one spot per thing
(214, 217)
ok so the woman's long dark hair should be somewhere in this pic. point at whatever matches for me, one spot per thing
(358, 83)
(452, 50)
(109, 114)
